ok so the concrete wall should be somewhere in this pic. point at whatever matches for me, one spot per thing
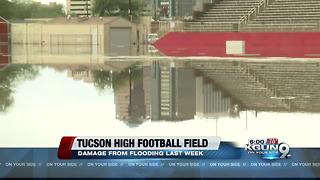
(59, 54)
(74, 34)
(264, 44)
(37, 33)
(49, 34)
(26, 33)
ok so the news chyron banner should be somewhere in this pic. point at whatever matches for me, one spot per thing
(162, 157)
(139, 147)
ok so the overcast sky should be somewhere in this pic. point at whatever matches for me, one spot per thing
(47, 1)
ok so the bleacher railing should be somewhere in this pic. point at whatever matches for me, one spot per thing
(254, 12)
(287, 26)
(180, 26)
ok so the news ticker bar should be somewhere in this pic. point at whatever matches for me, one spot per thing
(151, 163)
(138, 147)
(231, 161)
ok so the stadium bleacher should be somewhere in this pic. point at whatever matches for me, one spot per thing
(287, 15)
(280, 86)
(275, 15)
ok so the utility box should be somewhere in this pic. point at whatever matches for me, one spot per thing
(235, 47)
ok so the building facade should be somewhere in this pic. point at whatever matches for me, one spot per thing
(129, 97)
(175, 9)
(211, 101)
(79, 7)
(172, 92)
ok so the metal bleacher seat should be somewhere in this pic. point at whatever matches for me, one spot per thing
(281, 86)
(279, 15)
(222, 16)
(287, 15)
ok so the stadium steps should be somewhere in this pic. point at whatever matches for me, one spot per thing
(222, 16)
(264, 84)
(287, 15)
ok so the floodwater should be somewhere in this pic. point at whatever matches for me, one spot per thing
(47, 95)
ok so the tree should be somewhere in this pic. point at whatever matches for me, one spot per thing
(104, 79)
(117, 8)
(21, 9)
(5, 10)
(47, 11)
(10, 77)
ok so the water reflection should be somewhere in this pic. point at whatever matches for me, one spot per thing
(37, 53)
(234, 99)
(10, 77)
(268, 86)
(180, 90)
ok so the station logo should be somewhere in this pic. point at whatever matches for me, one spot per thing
(268, 148)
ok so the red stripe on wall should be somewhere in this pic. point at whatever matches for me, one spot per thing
(4, 58)
(265, 44)
(4, 42)
(3, 27)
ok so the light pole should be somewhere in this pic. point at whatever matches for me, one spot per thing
(155, 9)
(130, 10)
(87, 8)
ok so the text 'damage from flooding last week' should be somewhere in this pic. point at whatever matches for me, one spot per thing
(137, 147)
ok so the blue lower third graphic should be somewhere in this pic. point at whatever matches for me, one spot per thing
(229, 161)
(229, 152)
